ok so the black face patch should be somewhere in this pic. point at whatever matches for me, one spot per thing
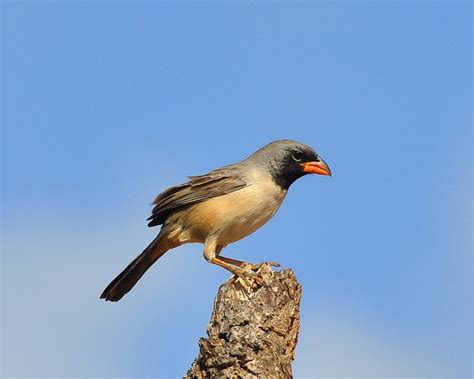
(283, 159)
(287, 168)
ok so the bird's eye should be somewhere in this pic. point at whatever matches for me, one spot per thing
(297, 157)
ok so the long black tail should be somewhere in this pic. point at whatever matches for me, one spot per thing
(125, 281)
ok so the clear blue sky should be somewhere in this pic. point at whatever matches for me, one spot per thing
(105, 104)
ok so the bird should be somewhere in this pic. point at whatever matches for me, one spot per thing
(221, 207)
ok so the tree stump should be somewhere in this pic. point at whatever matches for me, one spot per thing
(253, 329)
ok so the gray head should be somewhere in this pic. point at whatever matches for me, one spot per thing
(288, 161)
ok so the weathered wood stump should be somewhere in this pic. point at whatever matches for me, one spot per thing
(253, 329)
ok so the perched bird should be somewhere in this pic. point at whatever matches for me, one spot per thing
(222, 207)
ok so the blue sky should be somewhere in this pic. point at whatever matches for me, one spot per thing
(105, 104)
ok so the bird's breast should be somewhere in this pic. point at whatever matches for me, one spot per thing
(233, 216)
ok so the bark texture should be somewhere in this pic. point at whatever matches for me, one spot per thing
(253, 329)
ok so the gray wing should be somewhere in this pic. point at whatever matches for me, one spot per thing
(198, 188)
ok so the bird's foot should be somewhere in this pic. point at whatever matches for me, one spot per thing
(247, 275)
(245, 265)
(248, 272)
(257, 266)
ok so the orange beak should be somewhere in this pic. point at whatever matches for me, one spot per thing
(320, 167)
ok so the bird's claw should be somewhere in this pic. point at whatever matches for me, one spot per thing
(246, 274)
(258, 266)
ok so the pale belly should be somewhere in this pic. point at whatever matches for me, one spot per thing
(231, 217)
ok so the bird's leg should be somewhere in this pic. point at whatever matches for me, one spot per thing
(234, 262)
(252, 266)
(211, 251)
(231, 261)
